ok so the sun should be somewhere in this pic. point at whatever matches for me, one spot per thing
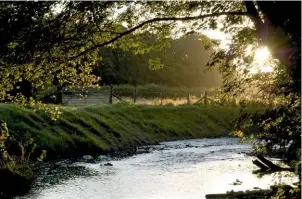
(262, 61)
(262, 54)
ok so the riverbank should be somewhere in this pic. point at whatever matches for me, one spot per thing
(111, 129)
(104, 129)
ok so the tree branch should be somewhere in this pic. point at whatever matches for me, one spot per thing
(94, 20)
(254, 16)
(239, 13)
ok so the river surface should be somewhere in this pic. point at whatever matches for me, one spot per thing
(186, 169)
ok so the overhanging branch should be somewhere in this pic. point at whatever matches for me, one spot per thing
(239, 13)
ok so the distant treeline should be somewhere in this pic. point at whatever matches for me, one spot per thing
(183, 64)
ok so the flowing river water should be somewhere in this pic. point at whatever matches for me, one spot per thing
(187, 169)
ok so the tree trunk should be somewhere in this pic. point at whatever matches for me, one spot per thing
(267, 166)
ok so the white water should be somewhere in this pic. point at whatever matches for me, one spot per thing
(172, 170)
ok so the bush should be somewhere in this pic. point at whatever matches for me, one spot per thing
(17, 171)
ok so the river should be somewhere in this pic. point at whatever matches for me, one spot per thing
(186, 169)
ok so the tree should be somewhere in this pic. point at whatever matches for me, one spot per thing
(37, 43)
(61, 45)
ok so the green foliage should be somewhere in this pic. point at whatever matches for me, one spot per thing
(278, 130)
(284, 192)
(22, 163)
(155, 64)
(183, 64)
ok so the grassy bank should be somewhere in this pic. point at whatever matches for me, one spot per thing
(101, 129)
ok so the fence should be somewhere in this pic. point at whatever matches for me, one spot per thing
(159, 95)
(110, 95)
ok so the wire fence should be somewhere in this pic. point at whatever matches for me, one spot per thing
(112, 96)
(115, 94)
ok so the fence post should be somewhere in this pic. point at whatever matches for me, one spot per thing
(134, 97)
(161, 98)
(205, 97)
(110, 94)
(188, 98)
(60, 96)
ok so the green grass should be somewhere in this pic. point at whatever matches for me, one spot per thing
(100, 129)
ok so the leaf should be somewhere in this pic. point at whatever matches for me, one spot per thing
(12, 45)
(155, 64)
